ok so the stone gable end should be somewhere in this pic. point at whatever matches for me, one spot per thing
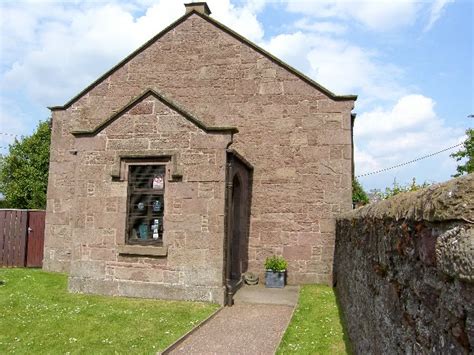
(297, 138)
(195, 64)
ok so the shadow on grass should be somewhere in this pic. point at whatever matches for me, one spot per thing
(342, 320)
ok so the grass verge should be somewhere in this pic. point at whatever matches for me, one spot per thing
(316, 326)
(39, 316)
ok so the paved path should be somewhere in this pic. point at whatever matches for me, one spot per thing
(249, 327)
(240, 329)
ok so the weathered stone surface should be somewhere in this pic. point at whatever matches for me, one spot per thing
(288, 130)
(455, 253)
(142, 108)
(439, 202)
(404, 272)
(97, 265)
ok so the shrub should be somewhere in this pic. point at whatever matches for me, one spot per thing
(359, 196)
(276, 263)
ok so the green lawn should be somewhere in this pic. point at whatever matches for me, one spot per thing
(316, 326)
(39, 316)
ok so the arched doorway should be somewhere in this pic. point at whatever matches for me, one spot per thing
(238, 195)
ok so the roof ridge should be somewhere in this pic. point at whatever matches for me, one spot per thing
(225, 29)
(171, 104)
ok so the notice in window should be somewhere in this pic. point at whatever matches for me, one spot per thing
(158, 182)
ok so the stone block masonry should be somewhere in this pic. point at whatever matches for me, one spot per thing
(295, 135)
(189, 265)
(404, 272)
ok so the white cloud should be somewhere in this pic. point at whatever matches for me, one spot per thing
(62, 50)
(349, 68)
(376, 15)
(66, 54)
(380, 15)
(340, 66)
(19, 26)
(436, 11)
(306, 24)
(12, 122)
(409, 112)
(407, 130)
(364, 161)
(242, 19)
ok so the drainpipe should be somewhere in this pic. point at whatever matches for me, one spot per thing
(227, 226)
(353, 117)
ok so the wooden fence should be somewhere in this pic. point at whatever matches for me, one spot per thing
(21, 238)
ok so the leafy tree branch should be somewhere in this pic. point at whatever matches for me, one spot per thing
(24, 170)
(466, 152)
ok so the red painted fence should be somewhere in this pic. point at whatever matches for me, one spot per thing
(21, 238)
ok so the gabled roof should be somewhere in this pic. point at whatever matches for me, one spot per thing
(228, 31)
(164, 100)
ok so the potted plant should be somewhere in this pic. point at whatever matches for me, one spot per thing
(275, 273)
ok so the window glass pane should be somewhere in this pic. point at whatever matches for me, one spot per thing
(147, 177)
(146, 203)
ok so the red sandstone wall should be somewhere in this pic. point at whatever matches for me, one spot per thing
(193, 221)
(298, 140)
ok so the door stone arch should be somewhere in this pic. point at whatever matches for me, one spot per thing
(238, 202)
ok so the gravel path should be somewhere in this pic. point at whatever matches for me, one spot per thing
(240, 329)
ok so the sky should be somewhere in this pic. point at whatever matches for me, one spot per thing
(409, 62)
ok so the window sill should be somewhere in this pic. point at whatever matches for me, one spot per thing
(143, 250)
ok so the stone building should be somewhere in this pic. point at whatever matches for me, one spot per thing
(190, 162)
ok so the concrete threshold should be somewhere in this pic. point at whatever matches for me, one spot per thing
(259, 294)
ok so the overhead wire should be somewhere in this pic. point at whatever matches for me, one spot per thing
(8, 134)
(410, 162)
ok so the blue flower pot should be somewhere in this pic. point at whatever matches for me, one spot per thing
(275, 279)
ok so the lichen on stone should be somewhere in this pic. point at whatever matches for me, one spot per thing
(455, 253)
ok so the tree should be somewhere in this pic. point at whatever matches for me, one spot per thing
(24, 171)
(467, 152)
(359, 196)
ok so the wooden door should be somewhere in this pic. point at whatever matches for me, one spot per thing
(238, 196)
(35, 243)
(236, 235)
(13, 237)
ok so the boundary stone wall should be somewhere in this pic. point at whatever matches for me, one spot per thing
(404, 272)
